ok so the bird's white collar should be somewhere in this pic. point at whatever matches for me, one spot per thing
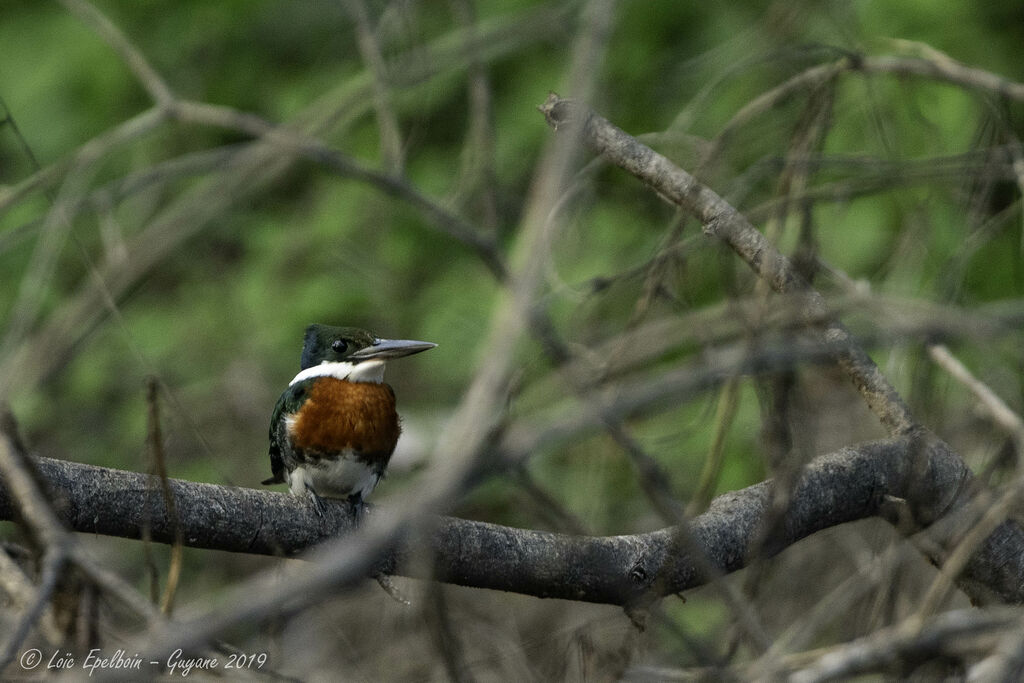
(367, 371)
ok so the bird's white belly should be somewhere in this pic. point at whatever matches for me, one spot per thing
(338, 477)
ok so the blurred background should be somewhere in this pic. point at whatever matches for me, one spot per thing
(134, 246)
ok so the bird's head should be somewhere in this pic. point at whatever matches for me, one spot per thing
(330, 344)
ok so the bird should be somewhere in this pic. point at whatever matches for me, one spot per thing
(335, 427)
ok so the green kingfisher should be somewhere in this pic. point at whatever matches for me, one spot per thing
(335, 427)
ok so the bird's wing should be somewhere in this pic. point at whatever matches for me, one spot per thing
(289, 402)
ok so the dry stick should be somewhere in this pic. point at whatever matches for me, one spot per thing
(54, 563)
(947, 633)
(1002, 415)
(43, 525)
(785, 458)
(310, 147)
(477, 176)
(723, 221)
(947, 70)
(26, 501)
(147, 76)
(1004, 662)
(17, 586)
(156, 449)
(47, 348)
(997, 511)
(725, 412)
(387, 123)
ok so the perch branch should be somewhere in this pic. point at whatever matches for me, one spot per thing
(843, 486)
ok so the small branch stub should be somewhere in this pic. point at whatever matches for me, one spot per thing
(558, 111)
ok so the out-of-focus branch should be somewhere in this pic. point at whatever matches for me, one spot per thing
(25, 499)
(910, 639)
(25, 361)
(133, 58)
(387, 122)
(933, 65)
(1001, 414)
(721, 220)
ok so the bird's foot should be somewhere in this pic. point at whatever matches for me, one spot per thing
(359, 506)
(318, 503)
(391, 589)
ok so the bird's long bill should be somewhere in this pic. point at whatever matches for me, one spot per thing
(392, 348)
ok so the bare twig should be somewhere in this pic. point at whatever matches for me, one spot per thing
(18, 476)
(728, 402)
(57, 225)
(156, 449)
(133, 58)
(908, 639)
(723, 221)
(933, 65)
(1000, 413)
(390, 134)
(476, 174)
(24, 362)
(54, 561)
(25, 500)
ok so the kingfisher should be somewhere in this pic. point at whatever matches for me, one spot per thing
(335, 427)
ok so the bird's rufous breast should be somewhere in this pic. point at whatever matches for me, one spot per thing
(339, 414)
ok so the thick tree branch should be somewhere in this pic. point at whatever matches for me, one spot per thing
(843, 486)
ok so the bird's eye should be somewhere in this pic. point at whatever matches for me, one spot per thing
(339, 345)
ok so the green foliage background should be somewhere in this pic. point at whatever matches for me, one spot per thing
(219, 322)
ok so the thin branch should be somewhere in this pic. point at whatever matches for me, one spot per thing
(935, 66)
(18, 476)
(54, 561)
(476, 173)
(156, 449)
(909, 639)
(707, 482)
(132, 57)
(943, 69)
(57, 224)
(1001, 414)
(721, 220)
(94, 149)
(387, 122)
(42, 352)
(25, 500)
